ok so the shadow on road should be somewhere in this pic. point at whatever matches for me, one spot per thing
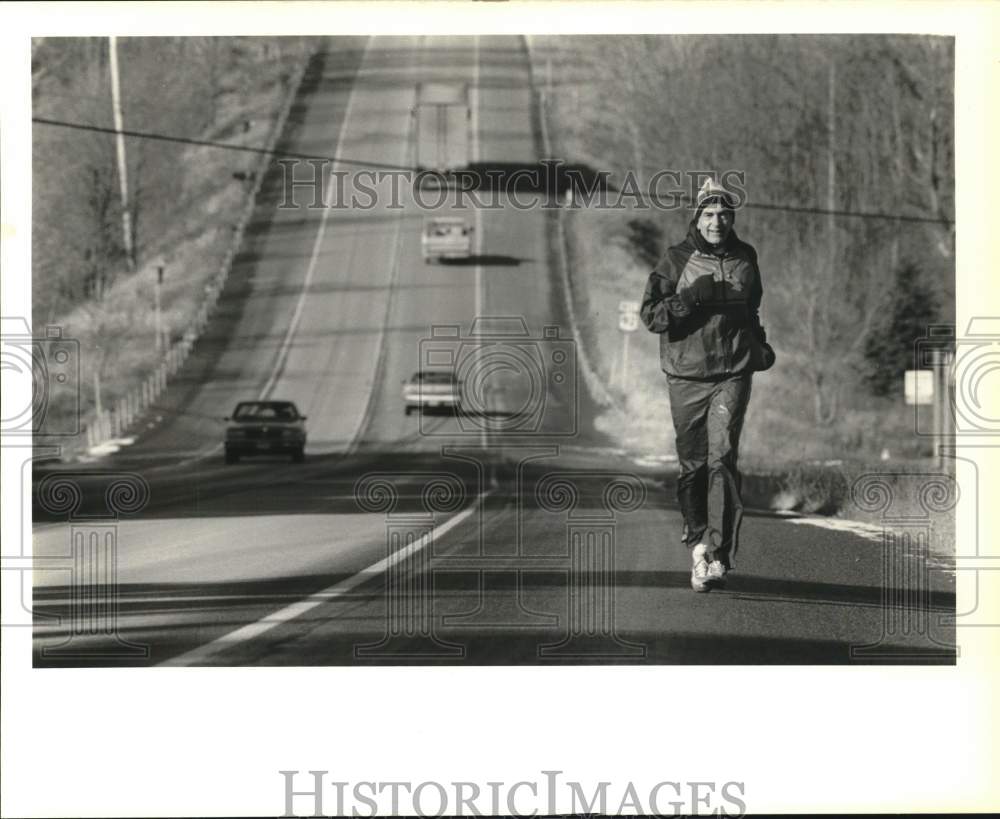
(486, 260)
(539, 549)
(333, 634)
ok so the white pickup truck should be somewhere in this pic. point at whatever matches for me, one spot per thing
(446, 237)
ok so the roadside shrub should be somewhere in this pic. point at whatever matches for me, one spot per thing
(816, 489)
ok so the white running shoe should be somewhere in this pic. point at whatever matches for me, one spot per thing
(717, 573)
(699, 568)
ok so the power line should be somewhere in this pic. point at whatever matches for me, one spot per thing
(647, 198)
(365, 163)
(208, 143)
(854, 213)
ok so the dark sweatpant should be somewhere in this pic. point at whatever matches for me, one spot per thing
(708, 418)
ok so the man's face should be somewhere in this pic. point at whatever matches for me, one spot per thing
(715, 223)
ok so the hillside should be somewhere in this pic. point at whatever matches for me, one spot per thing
(184, 200)
(846, 149)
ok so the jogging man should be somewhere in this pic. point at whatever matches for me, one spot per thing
(703, 299)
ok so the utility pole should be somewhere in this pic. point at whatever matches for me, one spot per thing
(120, 145)
(831, 168)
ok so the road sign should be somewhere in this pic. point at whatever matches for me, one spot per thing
(918, 386)
(628, 316)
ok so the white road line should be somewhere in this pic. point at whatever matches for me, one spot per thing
(474, 150)
(214, 449)
(314, 257)
(409, 153)
(204, 654)
(366, 415)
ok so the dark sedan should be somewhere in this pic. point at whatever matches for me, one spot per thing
(265, 428)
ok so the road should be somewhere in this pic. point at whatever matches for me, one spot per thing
(511, 534)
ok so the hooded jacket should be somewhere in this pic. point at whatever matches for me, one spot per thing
(704, 303)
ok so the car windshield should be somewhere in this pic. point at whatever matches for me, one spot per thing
(445, 228)
(435, 377)
(266, 411)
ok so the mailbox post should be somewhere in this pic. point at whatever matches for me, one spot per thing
(157, 313)
(923, 387)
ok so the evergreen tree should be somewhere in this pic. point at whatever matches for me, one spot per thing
(889, 350)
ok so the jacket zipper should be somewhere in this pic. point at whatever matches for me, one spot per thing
(725, 318)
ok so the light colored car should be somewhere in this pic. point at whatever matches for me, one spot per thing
(432, 389)
(265, 428)
(446, 237)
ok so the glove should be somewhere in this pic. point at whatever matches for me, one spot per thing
(764, 357)
(700, 291)
(677, 307)
(762, 353)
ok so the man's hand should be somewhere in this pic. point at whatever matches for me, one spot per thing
(700, 291)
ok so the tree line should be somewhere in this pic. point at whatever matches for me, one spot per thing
(836, 135)
(183, 86)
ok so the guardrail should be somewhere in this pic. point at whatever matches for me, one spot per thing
(116, 421)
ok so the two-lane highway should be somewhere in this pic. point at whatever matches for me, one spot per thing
(513, 533)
